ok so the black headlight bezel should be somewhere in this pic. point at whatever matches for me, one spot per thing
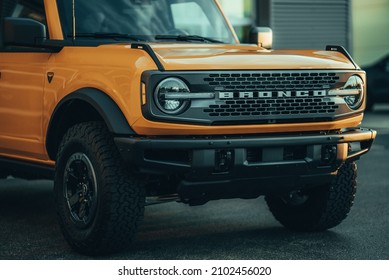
(159, 99)
(355, 82)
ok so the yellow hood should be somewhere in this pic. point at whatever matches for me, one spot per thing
(245, 57)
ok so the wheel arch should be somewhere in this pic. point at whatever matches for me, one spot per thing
(87, 104)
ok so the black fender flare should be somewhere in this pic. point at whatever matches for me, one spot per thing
(107, 109)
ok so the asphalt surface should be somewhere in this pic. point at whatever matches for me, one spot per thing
(230, 229)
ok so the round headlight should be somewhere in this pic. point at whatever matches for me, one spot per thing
(354, 85)
(168, 96)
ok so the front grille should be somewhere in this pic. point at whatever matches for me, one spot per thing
(272, 81)
(255, 97)
(272, 107)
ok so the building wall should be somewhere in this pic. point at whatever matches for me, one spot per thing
(370, 30)
(296, 24)
(362, 26)
(310, 24)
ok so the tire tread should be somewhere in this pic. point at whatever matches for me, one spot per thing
(121, 194)
(330, 206)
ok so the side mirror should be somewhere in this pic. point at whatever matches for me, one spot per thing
(23, 32)
(262, 36)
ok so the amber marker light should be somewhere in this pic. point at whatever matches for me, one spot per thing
(144, 96)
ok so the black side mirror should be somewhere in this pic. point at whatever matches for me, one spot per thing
(23, 32)
(262, 36)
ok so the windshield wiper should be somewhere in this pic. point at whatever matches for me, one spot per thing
(188, 38)
(102, 35)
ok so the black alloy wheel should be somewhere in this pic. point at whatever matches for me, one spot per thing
(80, 189)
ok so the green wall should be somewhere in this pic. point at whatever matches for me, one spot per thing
(370, 20)
(240, 14)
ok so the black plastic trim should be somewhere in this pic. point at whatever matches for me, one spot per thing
(343, 51)
(198, 193)
(209, 168)
(23, 32)
(150, 52)
(350, 135)
(102, 103)
(133, 149)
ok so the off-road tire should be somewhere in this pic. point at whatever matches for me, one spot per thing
(117, 197)
(324, 207)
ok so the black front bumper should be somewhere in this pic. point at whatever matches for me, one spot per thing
(239, 166)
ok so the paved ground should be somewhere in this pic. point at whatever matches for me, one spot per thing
(234, 229)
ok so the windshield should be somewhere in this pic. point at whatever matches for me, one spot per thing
(145, 20)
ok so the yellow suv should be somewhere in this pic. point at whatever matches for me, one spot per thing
(119, 100)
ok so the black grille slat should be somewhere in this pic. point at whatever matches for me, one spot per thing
(272, 106)
(267, 81)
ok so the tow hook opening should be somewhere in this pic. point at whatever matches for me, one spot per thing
(329, 154)
(224, 160)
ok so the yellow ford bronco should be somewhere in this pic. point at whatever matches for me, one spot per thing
(119, 100)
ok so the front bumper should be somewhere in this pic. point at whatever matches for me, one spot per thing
(254, 164)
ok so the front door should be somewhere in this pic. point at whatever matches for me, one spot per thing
(22, 79)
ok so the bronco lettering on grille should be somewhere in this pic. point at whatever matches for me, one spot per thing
(271, 94)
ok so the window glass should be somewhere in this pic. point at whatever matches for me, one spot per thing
(202, 26)
(29, 9)
(181, 20)
(145, 19)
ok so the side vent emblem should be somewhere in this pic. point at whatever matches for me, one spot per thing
(50, 76)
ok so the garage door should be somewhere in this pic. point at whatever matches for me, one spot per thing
(310, 24)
